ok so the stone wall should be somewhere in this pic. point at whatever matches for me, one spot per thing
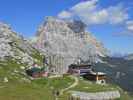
(108, 95)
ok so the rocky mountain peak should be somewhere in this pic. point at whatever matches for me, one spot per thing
(68, 40)
(76, 28)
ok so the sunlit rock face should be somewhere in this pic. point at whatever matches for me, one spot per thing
(5, 48)
(14, 46)
(65, 42)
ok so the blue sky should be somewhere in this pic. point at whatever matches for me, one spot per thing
(111, 21)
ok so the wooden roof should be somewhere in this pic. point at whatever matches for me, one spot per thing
(80, 66)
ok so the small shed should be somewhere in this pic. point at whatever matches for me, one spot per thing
(36, 72)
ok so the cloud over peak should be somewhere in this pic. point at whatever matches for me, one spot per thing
(91, 13)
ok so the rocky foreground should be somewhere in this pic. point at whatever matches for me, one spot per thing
(13, 45)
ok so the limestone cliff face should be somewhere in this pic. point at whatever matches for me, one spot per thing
(100, 49)
(69, 41)
(15, 46)
(64, 27)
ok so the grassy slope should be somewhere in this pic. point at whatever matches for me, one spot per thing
(42, 89)
(19, 91)
(87, 86)
(16, 88)
(7, 69)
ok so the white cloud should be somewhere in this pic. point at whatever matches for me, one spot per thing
(127, 29)
(84, 7)
(129, 25)
(117, 14)
(94, 17)
(90, 13)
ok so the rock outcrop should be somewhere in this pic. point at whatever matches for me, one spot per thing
(15, 46)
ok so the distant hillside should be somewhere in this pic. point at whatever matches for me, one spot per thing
(119, 71)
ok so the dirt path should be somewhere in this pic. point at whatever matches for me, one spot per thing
(76, 81)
